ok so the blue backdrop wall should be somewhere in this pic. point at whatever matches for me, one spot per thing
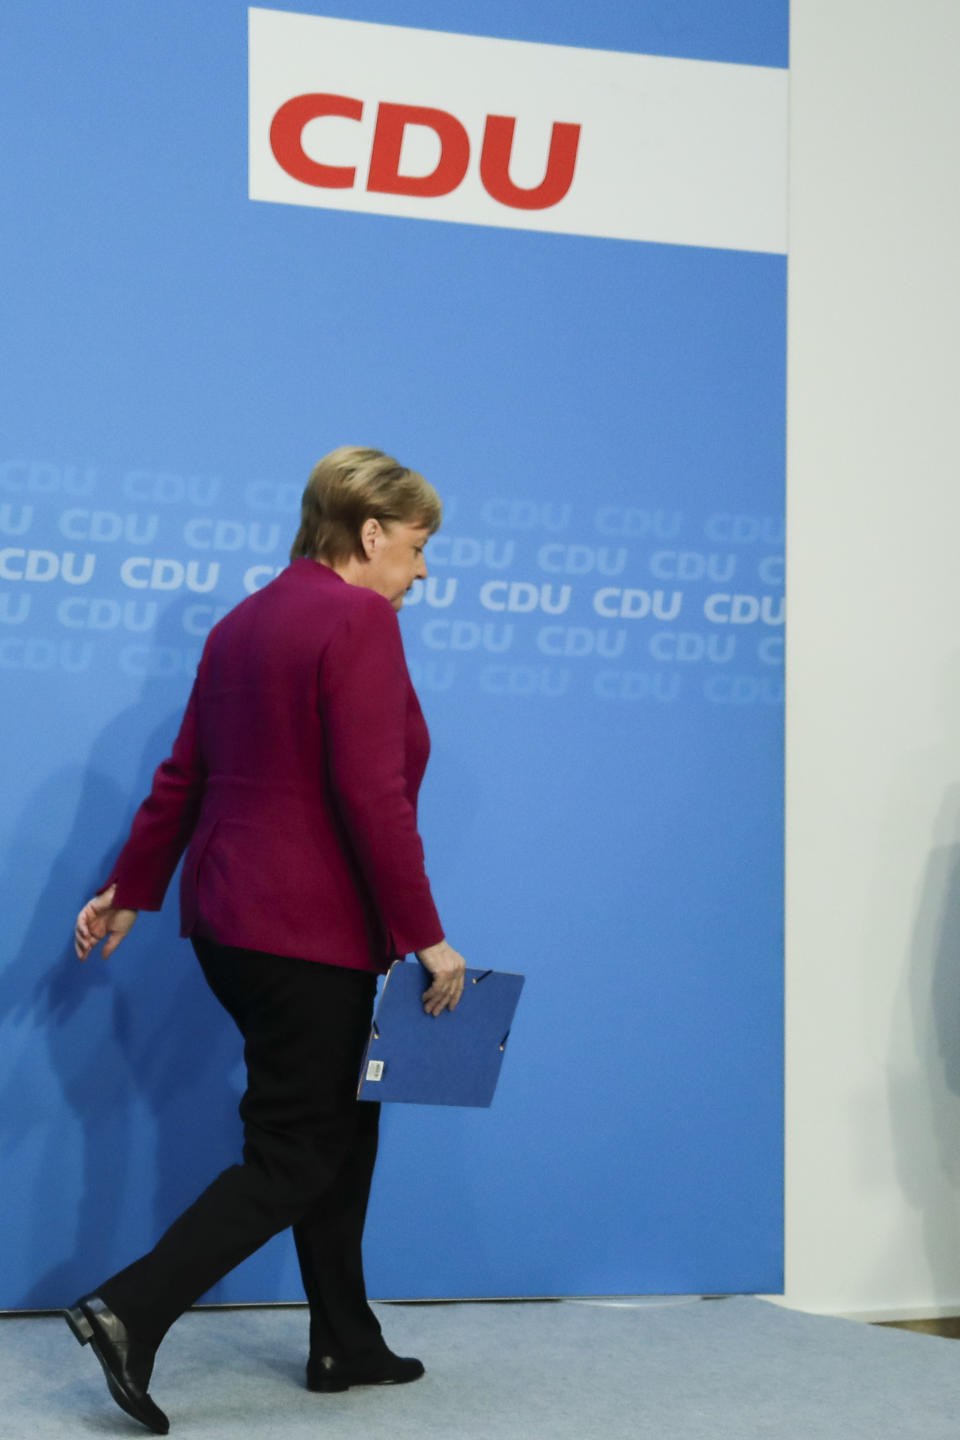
(598, 648)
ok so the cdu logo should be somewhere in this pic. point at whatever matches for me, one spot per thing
(390, 120)
(386, 174)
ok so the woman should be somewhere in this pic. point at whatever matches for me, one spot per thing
(292, 785)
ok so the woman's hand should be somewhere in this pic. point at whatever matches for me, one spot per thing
(447, 968)
(98, 920)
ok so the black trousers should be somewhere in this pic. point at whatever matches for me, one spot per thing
(308, 1154)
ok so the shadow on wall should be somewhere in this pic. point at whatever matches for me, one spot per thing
(924, 1054)
(135, 1112)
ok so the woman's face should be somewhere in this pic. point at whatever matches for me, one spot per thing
(394, 558)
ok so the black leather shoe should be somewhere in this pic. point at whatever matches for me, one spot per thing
(327, 1373)
(127, 1363)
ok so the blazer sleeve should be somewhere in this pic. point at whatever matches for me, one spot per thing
(364, 693)
(163, 824)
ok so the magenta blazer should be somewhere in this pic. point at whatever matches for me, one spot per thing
(293, 784)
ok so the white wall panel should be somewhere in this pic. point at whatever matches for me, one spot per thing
(873, 798)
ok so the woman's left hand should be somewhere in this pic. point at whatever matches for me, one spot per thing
(446, 968)
(100, 920)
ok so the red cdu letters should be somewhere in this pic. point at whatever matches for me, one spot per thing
(384, 177)
(286, 141)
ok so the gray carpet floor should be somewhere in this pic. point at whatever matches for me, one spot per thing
(572, 1370)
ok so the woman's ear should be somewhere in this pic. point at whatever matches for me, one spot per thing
(370, 532)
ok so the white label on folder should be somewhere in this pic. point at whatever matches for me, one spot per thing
(375, 1070)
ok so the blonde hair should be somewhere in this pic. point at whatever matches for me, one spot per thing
(351, 485)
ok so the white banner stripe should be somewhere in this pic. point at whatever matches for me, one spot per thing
(683, 152)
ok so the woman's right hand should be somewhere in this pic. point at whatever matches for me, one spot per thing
(447, 969)
(100, 920)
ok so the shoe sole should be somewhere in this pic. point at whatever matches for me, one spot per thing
(337, 1387)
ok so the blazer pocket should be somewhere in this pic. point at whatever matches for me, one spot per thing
(198, 847)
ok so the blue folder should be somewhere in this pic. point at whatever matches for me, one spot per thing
(453, 1058)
